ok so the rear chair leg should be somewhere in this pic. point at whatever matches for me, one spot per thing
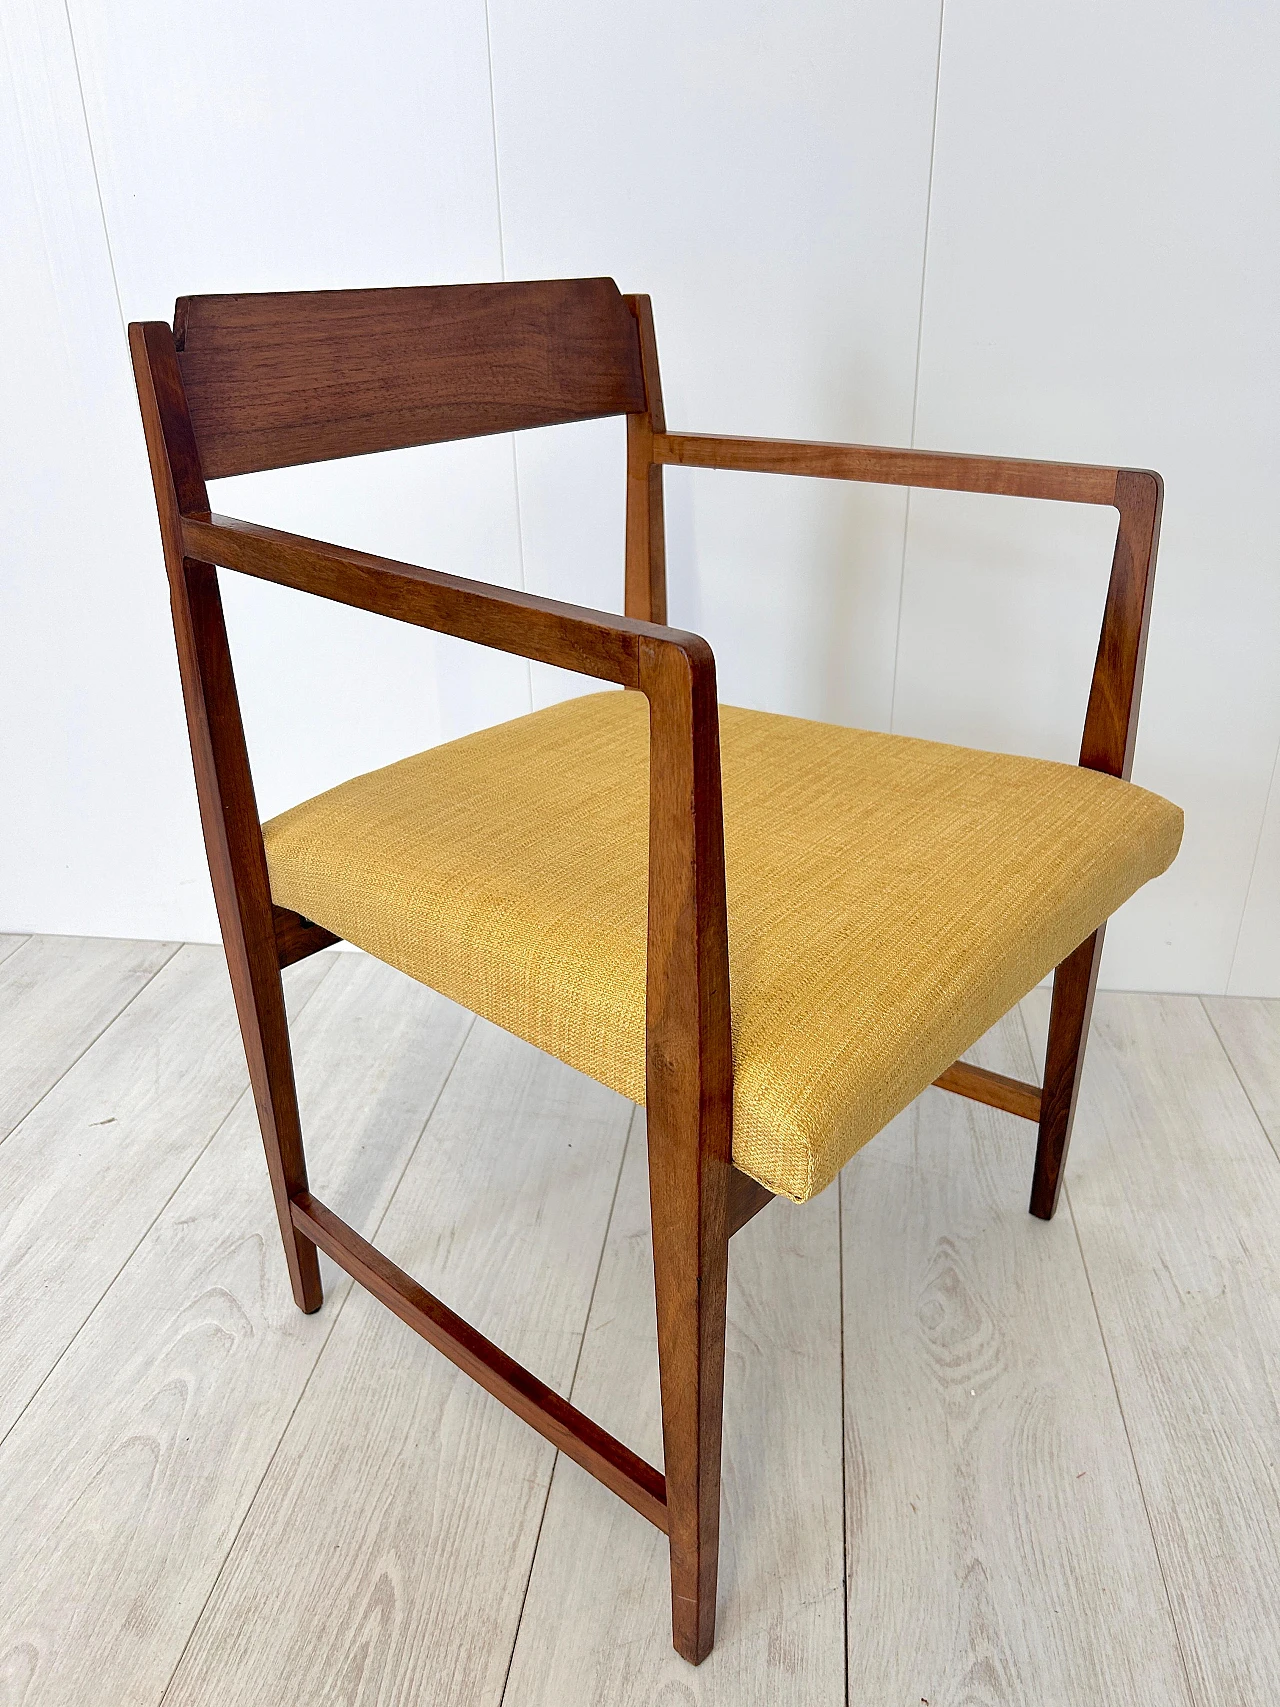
(1073, 987)
(241, 888)
(264, 1026)
(690, 1263)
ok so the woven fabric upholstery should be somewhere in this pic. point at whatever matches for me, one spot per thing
(888, 900)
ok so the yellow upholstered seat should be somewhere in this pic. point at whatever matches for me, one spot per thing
(888, 900)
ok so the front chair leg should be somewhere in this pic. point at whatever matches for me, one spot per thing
(690, 1265)
(1073, 986)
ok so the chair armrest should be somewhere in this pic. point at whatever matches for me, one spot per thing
(591, 643)
(1070, 482)
(688, 1051)
(1111, 722)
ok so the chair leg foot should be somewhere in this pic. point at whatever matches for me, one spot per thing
(1073, 987)
(304, 1273)
(264, 1027)
(694, 1518)
(691, 1254)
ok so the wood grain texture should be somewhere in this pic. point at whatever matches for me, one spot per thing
(224, 787)
(241, 887)
(747, 1197)
(646, 540)
(296, 937)
(125, 1482)
(1074, 983)
(592, 643)
(1111, 718)
(998, 1550)
(1175, 1193)
(57, 994)
(87, 1172)
(291, 377)
(997, 1090)
(689, 1100)
(594, 1628)
(1075, 483)
(9, 944)
(394, 1533)
(1248, 1028)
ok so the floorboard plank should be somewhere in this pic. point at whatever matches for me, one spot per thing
(386, 1555)
(1248, 1028)
(89, 1169)
(1175, 1193)
(124, 1483)
(998, 1547)
(597, 1621)
(58, 993)
(10, 944)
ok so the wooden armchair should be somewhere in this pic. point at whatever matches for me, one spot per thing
(580, 876)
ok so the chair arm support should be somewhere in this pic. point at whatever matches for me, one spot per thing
(591, 643)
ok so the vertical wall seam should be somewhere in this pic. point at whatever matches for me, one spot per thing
(915, 386)
(93, 163)
(502, 262)
(493, 131)
(1253, 869)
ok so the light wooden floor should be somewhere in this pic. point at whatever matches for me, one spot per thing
(969, 1458)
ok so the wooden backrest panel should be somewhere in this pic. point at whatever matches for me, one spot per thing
(303, 376)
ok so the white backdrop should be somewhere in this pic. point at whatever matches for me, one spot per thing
(982, 225)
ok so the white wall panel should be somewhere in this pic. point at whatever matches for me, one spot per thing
(1100, 275)
(762, 172)
(1101, 286)
(100, 828)
(290, 148)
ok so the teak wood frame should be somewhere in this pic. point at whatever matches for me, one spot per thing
(257, 382)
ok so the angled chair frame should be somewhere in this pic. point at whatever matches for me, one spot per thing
(246, 383)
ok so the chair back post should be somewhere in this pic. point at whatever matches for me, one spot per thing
(646, 573)
(1111, 721)
(224, 785)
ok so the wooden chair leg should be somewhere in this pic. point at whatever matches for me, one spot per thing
(264, 1027)
(1073, 986)
(690, 1264)
(237, 865)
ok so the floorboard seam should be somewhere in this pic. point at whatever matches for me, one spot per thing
(417, 1143)
(97, 1036)
(302, 1391)
(146, 1232)
(1239, 1077)
(1124, 1421)
(573, 1380)
(1137, 1471)
(142, 1239)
